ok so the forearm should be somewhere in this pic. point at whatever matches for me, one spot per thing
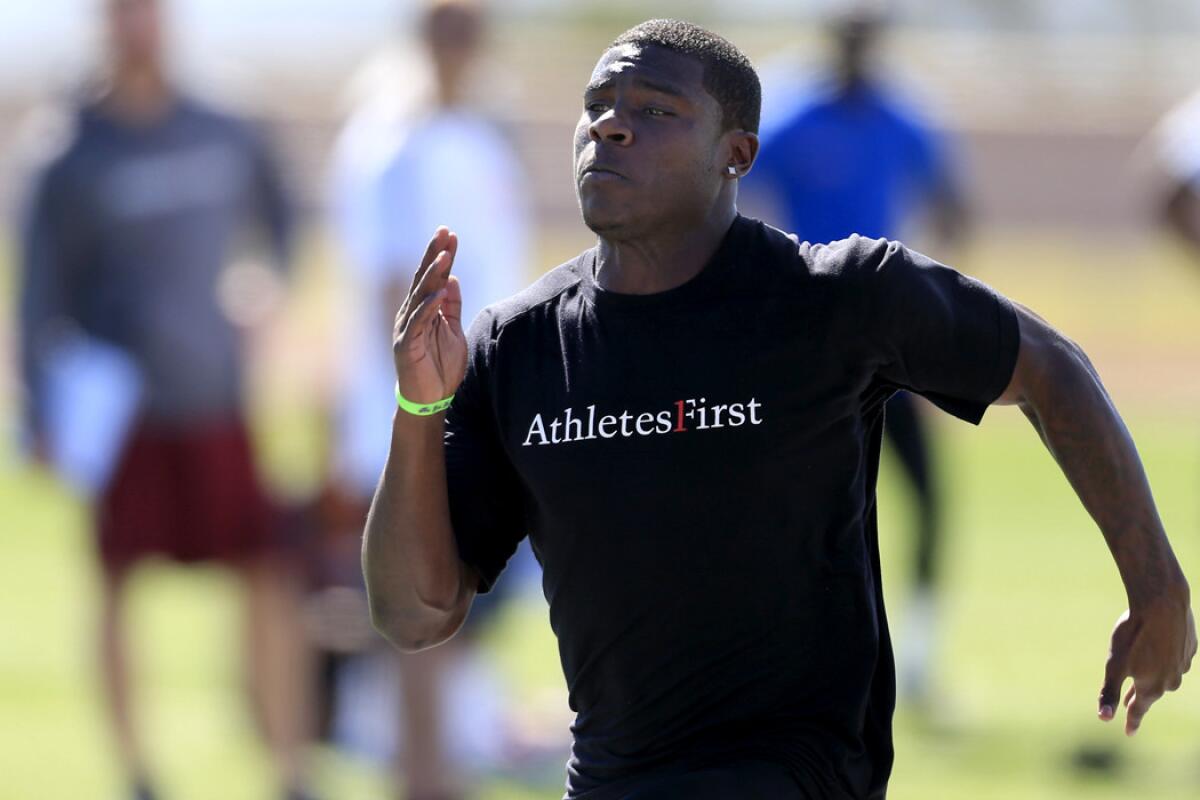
(1080, 426)
(416, 583)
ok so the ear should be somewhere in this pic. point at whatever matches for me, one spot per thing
(742, 149)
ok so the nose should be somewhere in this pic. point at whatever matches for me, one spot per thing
(610, 128)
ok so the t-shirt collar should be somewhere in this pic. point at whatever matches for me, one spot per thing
(718, 267)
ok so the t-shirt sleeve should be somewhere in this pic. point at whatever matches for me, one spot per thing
(935, 331)
(52, 242)
(483, 488)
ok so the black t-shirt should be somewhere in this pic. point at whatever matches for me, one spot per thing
(696, 471)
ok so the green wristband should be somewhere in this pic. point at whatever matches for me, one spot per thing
(421, 409)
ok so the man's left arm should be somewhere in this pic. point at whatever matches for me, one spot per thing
(275, 206)
(1058, 389)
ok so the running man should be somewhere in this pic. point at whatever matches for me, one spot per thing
(686, 420)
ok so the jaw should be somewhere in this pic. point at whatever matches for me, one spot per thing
(606, 221)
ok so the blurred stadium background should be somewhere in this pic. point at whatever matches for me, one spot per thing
(1052, 102)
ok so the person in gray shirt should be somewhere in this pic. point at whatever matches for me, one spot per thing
(127, 235)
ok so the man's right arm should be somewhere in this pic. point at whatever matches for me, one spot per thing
(418, 587)
(49, 242)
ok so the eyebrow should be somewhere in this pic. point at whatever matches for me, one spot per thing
(645, 83)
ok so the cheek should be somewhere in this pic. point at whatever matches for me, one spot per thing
(581, 135)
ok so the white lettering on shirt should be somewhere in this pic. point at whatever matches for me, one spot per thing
(681, 417)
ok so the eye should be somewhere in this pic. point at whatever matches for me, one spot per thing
(595, 107)
(655, 111)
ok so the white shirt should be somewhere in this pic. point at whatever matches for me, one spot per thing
(395, 181)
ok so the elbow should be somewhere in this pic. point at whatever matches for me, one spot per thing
(406, 635)
(412, 630)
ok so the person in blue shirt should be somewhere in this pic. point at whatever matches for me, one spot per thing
(854, 157)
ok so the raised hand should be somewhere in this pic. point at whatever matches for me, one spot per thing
(1155, 649)
(428, 344)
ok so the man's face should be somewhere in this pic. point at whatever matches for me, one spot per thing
(648, 151)
(135, 32)
(857, 39)
(453, 34)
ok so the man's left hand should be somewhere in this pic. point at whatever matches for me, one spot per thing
(1154, 646)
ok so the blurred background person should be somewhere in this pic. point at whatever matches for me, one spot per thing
(854, 156)
(419, 152)
(129, 230)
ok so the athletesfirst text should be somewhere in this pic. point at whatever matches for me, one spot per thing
(680, 419)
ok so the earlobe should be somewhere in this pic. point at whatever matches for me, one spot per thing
(745, 150)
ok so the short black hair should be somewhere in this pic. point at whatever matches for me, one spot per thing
(728, 74)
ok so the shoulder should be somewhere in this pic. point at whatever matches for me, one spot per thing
(851, 271)
(853, 258)
(846, 260)
(196, 110)
(218, 121)
(905, 107)
(544, 293)
(51, 142)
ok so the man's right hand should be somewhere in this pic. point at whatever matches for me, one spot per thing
(428, 344)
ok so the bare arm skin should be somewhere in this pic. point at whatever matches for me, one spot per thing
(1057, 388)
(418, 589)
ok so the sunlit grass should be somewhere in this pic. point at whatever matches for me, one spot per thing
(1030, 591)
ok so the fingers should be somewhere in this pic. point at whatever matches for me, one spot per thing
(1141, 698)
(1114, 677)
(431, 280)
(433, 270)
(435, 275)
(1154, 650)
(436, 245)
(452, 305)
(425, 313)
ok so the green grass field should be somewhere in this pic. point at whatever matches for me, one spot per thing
(1030, 597)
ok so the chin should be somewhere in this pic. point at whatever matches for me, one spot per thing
(610, 219)
(603, 221)
(603, 226)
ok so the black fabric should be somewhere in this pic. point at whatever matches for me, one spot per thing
(747, 781)
(904, 429)
(696, 470)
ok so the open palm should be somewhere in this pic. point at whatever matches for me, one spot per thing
(428, 344)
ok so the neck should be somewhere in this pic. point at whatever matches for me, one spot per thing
(448, 100)
(138, 95)
(664, 260)
(852, 83)
(449, 83)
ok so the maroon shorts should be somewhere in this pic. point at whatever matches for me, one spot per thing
(189, 494)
